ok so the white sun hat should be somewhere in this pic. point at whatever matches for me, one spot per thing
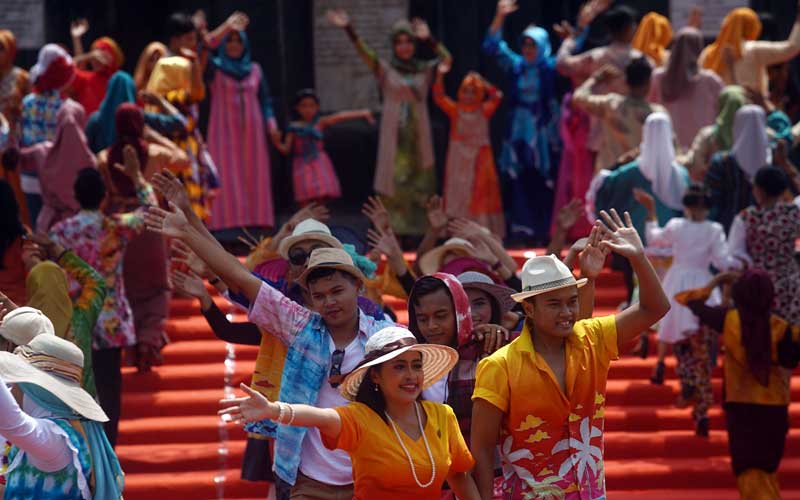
(23, 324)
(431, 262)
(309, 229)
(387, 344)
(545, 274)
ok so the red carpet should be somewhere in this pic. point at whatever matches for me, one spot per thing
(169, 436)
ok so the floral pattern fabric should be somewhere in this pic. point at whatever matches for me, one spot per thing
(39, 117)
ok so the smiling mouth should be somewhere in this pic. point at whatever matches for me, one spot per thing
(410, 387)
(564, 324)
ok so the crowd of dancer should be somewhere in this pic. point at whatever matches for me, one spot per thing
(666, 152)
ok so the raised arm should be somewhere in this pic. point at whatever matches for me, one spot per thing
(494, 96)
(77, 29)
(768, 53)
(597, 105)
(237, 21)
(494, 44)
(592, 259)
(578, 66)
(445, 103)
(341, 19)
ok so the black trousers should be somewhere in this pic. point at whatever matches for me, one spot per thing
(107, 364)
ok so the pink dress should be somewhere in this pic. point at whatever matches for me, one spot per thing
(237, 140)
(313, 176)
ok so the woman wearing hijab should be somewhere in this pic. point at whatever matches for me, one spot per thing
(531, 142)
(652, 38)
(12, 270)
(100, 130)
(404, 176)
(145, 266)
(731, 173)
(241, 119)
(105, 58)
(737, 44)
(14, 81)
(761, 349)
(147, 61)
(57, 164)
(689, 93)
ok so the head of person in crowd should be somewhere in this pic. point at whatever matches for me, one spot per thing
(54, 69)
(750, 141)
(48, 291)
(488, 301)
(181, 33)
(549, 296)
(396, 369)
(307, 236)
(731, 98)
(90, 190)
(681, 70)
(333, 284)
(472, 90)
(637, 76)
(8, 51)
(112, 59)
(236, 44)
(438, 311)
(10, 223)
(147, 61)
(620, 22)
(769, 185)
(129, 127)
(697, 202)
(404, 44)
(653, 36)
(452, 249)
(657, 162)
(306, 105)
(120, 89)
(535, 44)
(22, 325)
(740, 25)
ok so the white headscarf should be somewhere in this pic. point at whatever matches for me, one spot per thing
(657, 161)
(750, 141)
(47, 55)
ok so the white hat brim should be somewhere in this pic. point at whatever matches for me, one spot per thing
(430, 263)
(14, 369)
(437, 361)
(520, 297)
(289, 242)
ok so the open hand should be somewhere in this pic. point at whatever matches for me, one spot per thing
(238, 21)
(184, 255)
(569, 214)
(171, 189)
(169, 223)
(437, 219)
(590, 11)
(131, 166)
(564, 30)
(338, 17)
(199, 20)
(593, 257)
(618, 236)
(444, 66)
(78, 27)
(376, 212)
(6, 305)
(188, 283)
(506, 7)
(251, 408)
(385, 242)
(311, 211)
(420, 29)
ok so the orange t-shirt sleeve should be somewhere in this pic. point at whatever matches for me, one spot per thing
(491, 382)
(603, 333)
(460, 456)
(351, 431)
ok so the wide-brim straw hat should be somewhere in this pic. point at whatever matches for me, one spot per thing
(24, 324)
(545, 274)
(391, 342)
(309, 229)
(56, 365)
(479, 281)
(333, 258)
(432, 261)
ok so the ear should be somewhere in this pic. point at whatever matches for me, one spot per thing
(374, 375)
(528, 307)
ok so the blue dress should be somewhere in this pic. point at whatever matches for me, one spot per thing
(531, 142)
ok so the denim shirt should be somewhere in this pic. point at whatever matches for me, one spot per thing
(307, 362)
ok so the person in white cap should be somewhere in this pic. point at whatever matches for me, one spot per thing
(542, 397)
(58, 446)
(401, 446)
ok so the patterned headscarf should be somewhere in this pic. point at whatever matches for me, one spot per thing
(753, 294)
(653, 36)
(460, 308)
(739, 26)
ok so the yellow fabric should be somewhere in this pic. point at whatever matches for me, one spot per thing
(542, 423)
(170, 75)
(739, 25)
(380, 466)
(740, 385)
(48, 291)
(756, 484)
(653, 36)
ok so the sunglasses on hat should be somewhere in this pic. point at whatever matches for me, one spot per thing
(299, 256)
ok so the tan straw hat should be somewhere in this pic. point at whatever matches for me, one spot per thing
(387, 344)
(23, 324)
(545, 274)
(309, 229)
(56, 365)
(479, 281)
(431, 262)
(333, 258)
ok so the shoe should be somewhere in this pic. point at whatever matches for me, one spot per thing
(658, 374)
(702, 427)
(644, 345)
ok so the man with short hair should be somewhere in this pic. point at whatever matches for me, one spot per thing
(542, 397)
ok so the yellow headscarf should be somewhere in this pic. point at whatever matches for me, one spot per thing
(739, 25)
(48, 292)
(171, 74)
(653, 36)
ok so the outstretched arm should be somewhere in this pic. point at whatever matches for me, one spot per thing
(341, 116)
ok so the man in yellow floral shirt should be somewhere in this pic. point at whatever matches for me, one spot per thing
(542, 397)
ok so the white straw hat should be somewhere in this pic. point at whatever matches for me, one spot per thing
(545, 274)
(431, 262)
(309, 229)
(56, 365)
(23, 324)
(387, 344)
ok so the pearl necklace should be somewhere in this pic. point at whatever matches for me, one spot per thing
(408, 455)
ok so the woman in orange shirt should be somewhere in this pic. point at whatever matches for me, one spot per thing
(401, 446)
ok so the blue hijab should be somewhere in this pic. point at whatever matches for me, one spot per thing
(239, 68)
(108, 476)
(542, 39)
(101, 129)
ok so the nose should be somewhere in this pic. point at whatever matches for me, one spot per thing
(433, 325)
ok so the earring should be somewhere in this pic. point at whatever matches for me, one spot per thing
(376, 388)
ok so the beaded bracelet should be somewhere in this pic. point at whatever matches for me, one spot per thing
(281, 410)
(291, 416)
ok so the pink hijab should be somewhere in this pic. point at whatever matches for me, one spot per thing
(67, 155)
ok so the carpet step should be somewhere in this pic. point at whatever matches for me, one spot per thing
(175, 429)
(674, 444)
(658, 418)
(204, 351)
(186, 485)
(690, 494)
(185, 457)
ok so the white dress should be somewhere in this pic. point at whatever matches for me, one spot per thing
(695, 246)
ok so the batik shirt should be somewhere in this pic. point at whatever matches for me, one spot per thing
(551, 445)
(100, 240)
(39, 116)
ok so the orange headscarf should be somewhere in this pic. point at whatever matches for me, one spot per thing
(739, 25)
(110, 47)
(473, 80)
(653, 36)
(144, 69)
(9, 41)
